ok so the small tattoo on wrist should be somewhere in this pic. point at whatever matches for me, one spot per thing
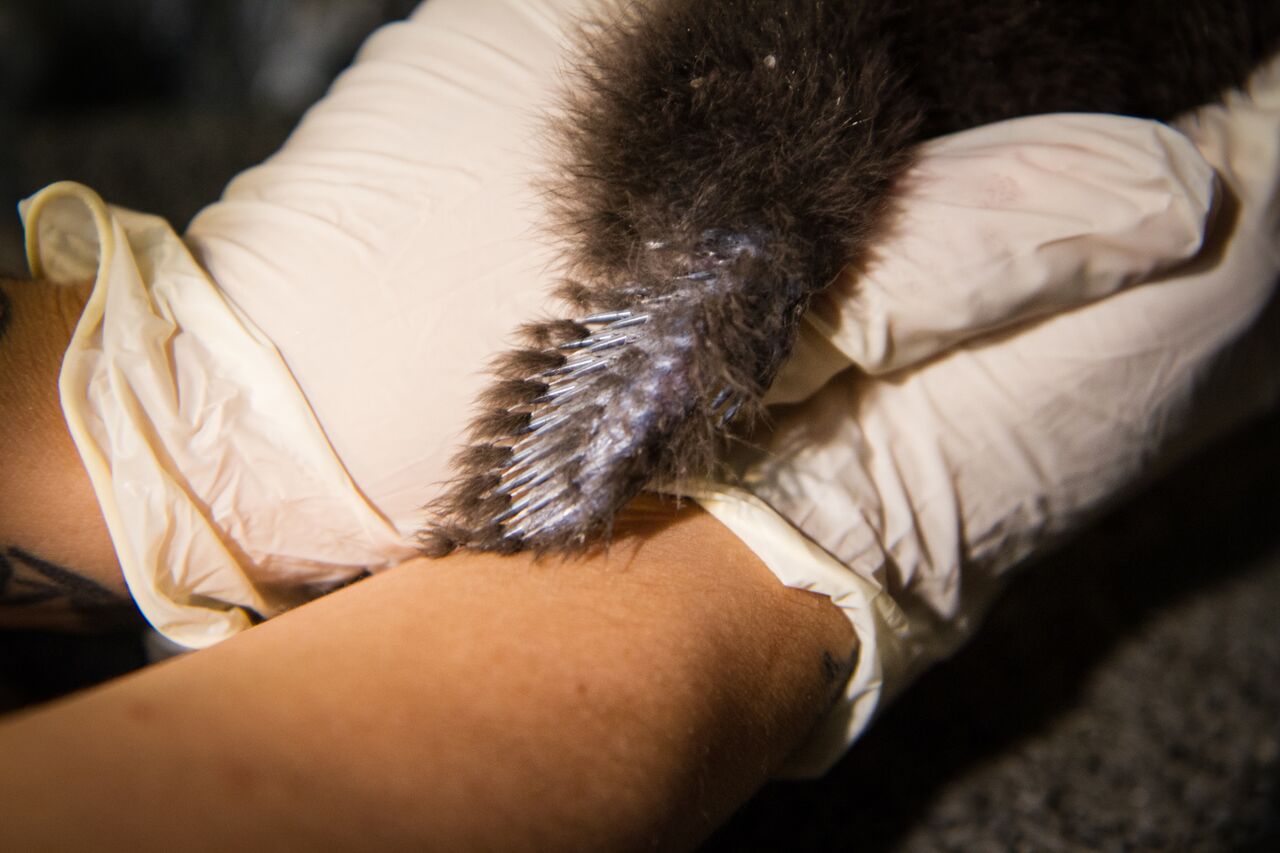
(30, 581)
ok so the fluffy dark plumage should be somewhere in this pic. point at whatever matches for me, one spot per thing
(723, 161)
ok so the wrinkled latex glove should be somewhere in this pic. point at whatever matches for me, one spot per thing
(907, 495)
(1007, 223)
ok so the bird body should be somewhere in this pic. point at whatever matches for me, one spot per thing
(724, 160)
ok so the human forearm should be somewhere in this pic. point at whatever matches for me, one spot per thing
(57, 566)
(472, 702)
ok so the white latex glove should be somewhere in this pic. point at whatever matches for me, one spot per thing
(1008, 223)
(906, 498)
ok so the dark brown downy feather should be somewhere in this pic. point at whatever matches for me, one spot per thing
(723, 161)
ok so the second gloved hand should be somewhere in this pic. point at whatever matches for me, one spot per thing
(1009, 407)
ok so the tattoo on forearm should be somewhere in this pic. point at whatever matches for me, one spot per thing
(836, 672)
(6, 313)
(831, 668)
(30, 581)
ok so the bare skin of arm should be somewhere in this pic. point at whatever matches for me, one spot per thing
(622, 700)
(57, 566)
(613, 702)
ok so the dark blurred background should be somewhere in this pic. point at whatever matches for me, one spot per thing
(1123, 695)
(156, 103)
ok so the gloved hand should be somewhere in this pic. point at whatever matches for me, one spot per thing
(905, 496)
